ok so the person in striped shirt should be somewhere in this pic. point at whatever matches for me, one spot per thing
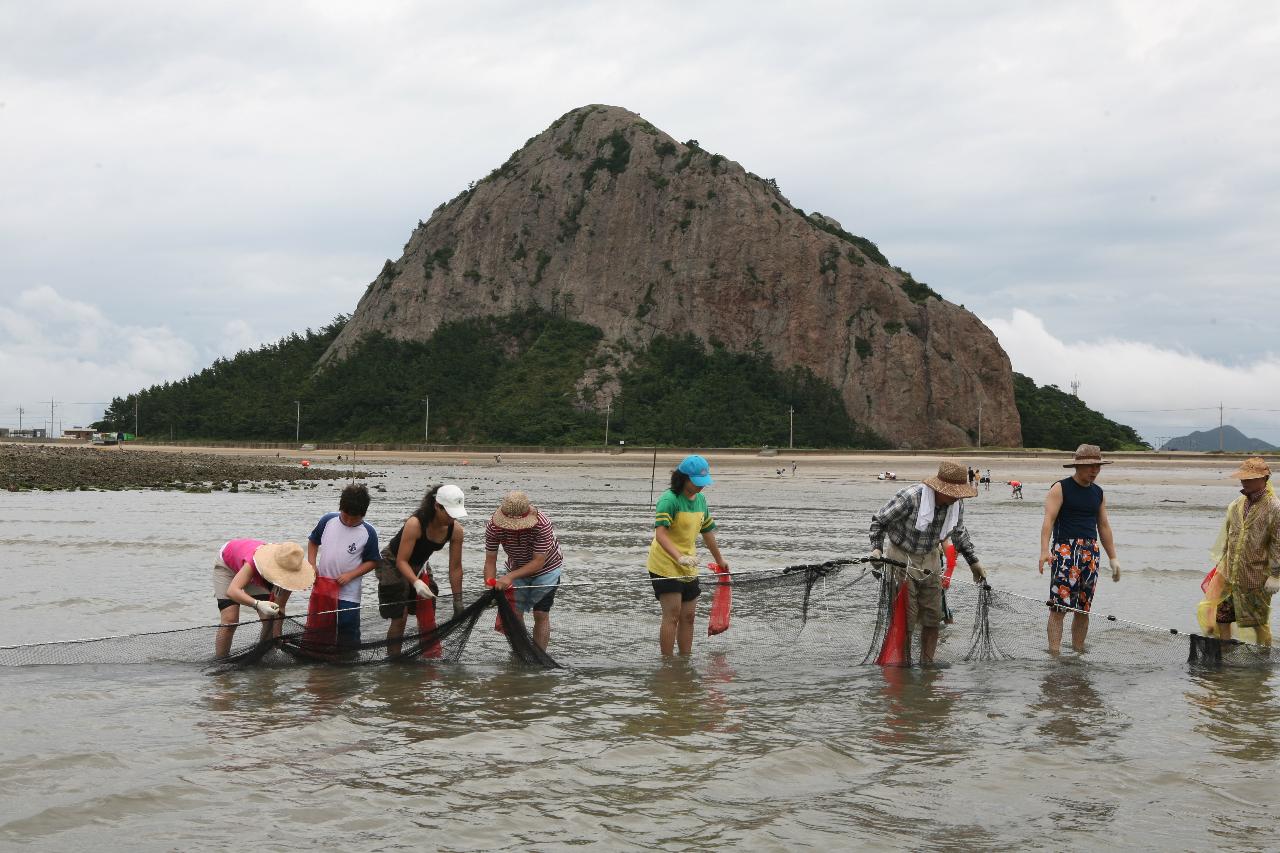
(533, 559)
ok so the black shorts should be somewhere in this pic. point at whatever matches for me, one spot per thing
(400, 601)
(224, 603)
(689, 590)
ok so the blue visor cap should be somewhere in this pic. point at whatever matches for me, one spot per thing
(697, 469)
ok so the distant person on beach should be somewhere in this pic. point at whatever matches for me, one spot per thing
(986, 480)
(681, 515)
(1248, 553)
(1075, 522)
(910, 528)
(972, 475)
(259, 575)
(404, 574)
(347, 549)
(533, 564)
(1015, 489)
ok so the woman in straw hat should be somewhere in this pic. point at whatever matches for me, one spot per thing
(1247, 553)
(260, 575)
(915, 522)
(533, 560)
(1075, 522)
(681, 515)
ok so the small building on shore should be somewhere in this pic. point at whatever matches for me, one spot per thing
(79, 433)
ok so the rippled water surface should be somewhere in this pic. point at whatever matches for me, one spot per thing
(747, 744)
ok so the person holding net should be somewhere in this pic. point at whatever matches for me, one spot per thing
(533, 564)
(910, 529)
(680, 516)
(1075, 515)
(1248, 553)
(404, 575)
(260, 575)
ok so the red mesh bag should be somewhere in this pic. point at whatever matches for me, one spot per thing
(721, 601)
(894, 651)
(321, 630)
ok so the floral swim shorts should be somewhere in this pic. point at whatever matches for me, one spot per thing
(1075, 574)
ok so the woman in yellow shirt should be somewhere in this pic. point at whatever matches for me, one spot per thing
(681, 514)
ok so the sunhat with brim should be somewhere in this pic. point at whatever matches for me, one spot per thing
(953, 480)
(285, 565)
(1086, 454)
(1251, 469)
(451, 498)
(515, 512)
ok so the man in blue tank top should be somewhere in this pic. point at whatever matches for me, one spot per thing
(1075, 521)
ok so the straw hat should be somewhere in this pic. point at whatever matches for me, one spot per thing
(1251, 469)
(285, 565)
(515, 512)
(953, 480)
(1087, 454)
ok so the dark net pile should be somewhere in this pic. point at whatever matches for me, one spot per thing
(840, 611)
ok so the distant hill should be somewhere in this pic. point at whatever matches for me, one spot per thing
(1055, 419)
(1232, 439)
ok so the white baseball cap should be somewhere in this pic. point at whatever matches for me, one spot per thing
(450, 497)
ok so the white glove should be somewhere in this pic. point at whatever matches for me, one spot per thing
(1272, 586)
(979, 574)
(1115, 571)
(876, 554)
(267, 608)
(689, 561)
(424, 591)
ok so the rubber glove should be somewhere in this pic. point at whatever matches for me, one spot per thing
(689, 561)
(1115, 571)
(267, 608)
(1272, 586)
(979, 574)
(422, 589)
(876, 555)
(457, 607)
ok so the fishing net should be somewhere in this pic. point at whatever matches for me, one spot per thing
(845, 611)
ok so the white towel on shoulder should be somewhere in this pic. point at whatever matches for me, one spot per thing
(928, 507)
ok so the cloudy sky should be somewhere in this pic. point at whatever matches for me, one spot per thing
(1100, 182)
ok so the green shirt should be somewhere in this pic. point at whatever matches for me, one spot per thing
(684, 519)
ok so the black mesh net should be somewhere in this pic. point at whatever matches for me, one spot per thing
(842, 611)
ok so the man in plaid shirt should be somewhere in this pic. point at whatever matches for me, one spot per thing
(916, 521)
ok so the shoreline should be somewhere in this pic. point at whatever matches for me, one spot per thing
(1128, 468)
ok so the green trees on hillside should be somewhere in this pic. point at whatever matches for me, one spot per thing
(1055, 419)
(499, 380)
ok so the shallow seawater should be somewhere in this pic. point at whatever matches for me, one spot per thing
(748, 744)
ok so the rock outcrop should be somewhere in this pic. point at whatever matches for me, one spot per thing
(610, 221)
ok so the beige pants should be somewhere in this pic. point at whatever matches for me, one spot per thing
(924, 597)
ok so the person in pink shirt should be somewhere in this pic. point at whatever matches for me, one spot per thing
(260, 575)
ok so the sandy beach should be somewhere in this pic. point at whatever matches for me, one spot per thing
(1025, 465)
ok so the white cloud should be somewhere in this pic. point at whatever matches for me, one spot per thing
(68, 351)
(1161, 392)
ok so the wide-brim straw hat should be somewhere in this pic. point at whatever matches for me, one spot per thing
(1086, 454)
(515, 512)
(1251, 469)
(953, 480)
(285, 565)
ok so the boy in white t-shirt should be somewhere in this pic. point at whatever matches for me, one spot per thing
(348, 550)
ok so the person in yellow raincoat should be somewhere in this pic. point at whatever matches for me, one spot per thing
(1247, 558)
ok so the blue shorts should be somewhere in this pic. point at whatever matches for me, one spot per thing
(348, 624)
(536, 593)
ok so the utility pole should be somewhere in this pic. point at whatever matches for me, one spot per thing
(791, 415)
(297, 421)
(20, 411)
(1219, 426)
(51, 421)
(136, 431)
(426, 420)
(608, 409)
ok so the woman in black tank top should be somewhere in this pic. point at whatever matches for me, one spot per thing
(431, 528)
